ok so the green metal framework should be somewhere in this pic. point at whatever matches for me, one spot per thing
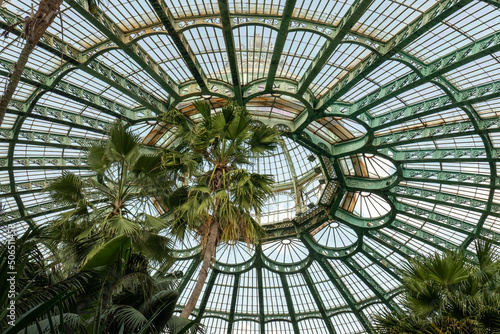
(398, 104)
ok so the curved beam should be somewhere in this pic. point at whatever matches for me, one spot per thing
(441, 155)
(354, 12)
(425, 237)
(271, 21)
(453, 200)
(101, 21)
(76, 59)
(324, 30)
(447, 222)
(479, 126)
(74, 92)
(418, 27)
(280, 86)
(280, 42)
(365, 223)
(461, 98)
(457, 58)
(180, 42)
(448, 177)
(457, 129)
(60, 116)
(364, 183)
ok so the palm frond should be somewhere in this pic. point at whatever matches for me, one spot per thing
(67, 189)
(71, 322)
(264, 139)
(98, 159)
(486, 259)
(203, 108)
(120, 225)
(155, 246)
(107, 254)
(131, 318)
(155, 224)
(122, 143)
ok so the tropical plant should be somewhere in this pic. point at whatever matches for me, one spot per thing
(448, 293)
(37, 297)
(106, 234)
(219, 197)
(112, 203)
(131, 295)
(114, 292)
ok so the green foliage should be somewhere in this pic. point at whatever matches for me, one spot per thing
(111, 204)
(219, 197)
(40, 298)
(448, 293)
(95, 275)
(120, 294)
(214, 155)
(108, 253)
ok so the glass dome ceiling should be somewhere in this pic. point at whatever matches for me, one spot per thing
(398, 101)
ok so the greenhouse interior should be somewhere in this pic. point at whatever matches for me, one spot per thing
(378, 120)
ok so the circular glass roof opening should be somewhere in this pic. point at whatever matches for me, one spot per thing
(334, 235)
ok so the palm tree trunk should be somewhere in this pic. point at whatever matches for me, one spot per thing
(207, 259)
(35, 27)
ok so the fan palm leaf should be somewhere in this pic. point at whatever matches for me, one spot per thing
(449, 293)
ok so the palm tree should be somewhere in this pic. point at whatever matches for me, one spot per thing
(108, 232)
(448, 293)
(92, 300)
(220, 197)
(112, 203)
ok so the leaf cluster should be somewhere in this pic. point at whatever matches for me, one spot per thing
(115, 292)
(113, 202)
(215, 155)
(448, 293)
(94, 274)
